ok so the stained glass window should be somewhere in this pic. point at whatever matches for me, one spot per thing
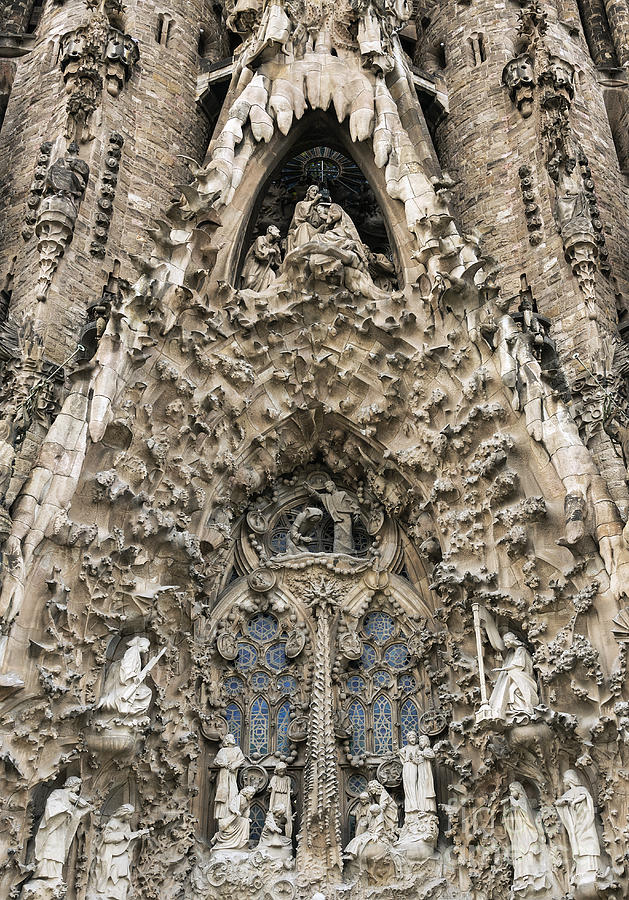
(407, 684)
(286, 684)
(233, 685)
(356, 715)
(260, 681)
(276, 657)
(283, 718)
(379, 626)
(262, 627)
(259, 726)
(381, 679)
(247, 657)
(233, 717)
(382, 725)
(257, 815)
(368, 656)
(397, 656)
(355, 684)
(356, 783)
(409, 719)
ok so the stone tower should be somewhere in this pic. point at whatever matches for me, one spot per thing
(314, 423)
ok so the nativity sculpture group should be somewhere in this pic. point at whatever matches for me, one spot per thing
(322, 241)
(378, 837)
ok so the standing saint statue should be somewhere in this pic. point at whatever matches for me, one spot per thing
(280, 785)
(527, 841)
(576, 811)
(125, 692)
(514, 696)
(417, 777)
(235, 824)
(341, 507)
(111, 877)
(229, 759)
(64, 810)
(262, 261)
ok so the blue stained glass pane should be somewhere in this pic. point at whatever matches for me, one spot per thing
(356, 715)
(409, 719)
(276, 657)
(283, 718)
(382, 726)
(407, 684)
(355, 684)
(257, 815)
(379, 626)
(381, 679)
(233, 685)
(368, 656)
(356, 784)
(287, 684)
(233, 716)
(259, 681)
(397, 656)
(247, 657)
(262, 627)
(259, 726)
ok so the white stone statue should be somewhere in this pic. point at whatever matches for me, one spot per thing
(514, 696)
(229, 759)
(262, 261)
(379, 794)
(527, 841)
(280, 785)
(125, 692)
(417, 777)
(576, 811)
(235, 824)
(308, 219)
(112, 869)
(341, 508)
(273, 839)
(64, 810)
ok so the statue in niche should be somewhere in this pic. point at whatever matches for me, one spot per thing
(299, 534)
(308, 219)
(262, 261)
(341, 508)
(514, 696)
(417, 777)
(125, 692)
(527, 841)
(64, 810)
(571, 209)
(234, 823)
(228, 759)
(280, 785)
(576, 811)
(111, 875)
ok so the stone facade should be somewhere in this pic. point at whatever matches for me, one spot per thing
(313, 450)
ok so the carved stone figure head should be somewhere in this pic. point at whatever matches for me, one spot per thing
(313, 192)
(229, 740)
(249, 792)
(125, 811)
(571, 779)
(141, 643)
(510, 640)
(74, 783)
(280, 768)
(273, 233)
(516, 790)
(330, 486)
(411, 737)
(423, 742)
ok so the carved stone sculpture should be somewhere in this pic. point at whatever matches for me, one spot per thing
(234, 825)
(280, 785)
(527, 842)
(124, 692)
(341, 508)
(417, 777)
(112, 869)
(519, 78)
(299, 536)
(514, 696)
(308, 219)
(576, 811)
(228, 759)
(262, 261)
(64, 189)
(274, 842)
(64, 810)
